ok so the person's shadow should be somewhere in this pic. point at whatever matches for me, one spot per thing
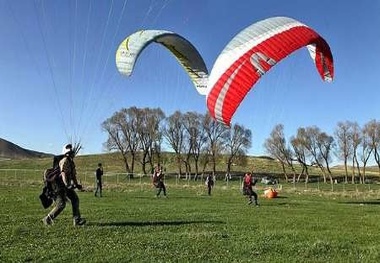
(375, 202)
(153, 223)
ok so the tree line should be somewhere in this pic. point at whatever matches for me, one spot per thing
(350, 143)
(141, 135)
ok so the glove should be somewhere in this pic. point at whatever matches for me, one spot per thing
(79, 186)
(70, 187)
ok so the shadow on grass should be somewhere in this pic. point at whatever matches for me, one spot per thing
(154, 223)
(153, 197)
(362, 202)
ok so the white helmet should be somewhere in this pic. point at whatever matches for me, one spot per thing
(67, 148)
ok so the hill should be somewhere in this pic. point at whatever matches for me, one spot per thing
(9, 150)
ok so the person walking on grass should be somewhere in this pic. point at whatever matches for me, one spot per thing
(64, 188)
(248, 182)
(99, 175)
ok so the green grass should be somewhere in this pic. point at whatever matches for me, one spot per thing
(130, 225)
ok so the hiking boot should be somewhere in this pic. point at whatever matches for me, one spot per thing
(47, 220)
(79, 221)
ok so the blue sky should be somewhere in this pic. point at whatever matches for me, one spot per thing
(58, 79)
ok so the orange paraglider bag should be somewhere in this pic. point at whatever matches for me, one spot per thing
(270, 193)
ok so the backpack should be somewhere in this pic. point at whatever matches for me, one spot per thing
(57, 159)
(50, 176)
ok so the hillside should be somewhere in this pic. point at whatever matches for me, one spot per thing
(9, 150)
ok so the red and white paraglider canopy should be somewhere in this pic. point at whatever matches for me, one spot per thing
(253, 52)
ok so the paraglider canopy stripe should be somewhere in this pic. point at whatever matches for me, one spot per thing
(254, 51)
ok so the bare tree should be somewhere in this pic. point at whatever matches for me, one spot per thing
(356, 141)
(373, 130)
(366, 150)
(115, 139)
(319, 146)
(187, 153)
(237, 141)
(174, 133)
(326, 144)
(196, 135)
(298, 143)
(343, 135)
(277, 148)
(122, 135)
(149, 132)
(215, 132)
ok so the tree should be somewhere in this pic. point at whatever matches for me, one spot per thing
(215, 132)
(122, 135)
(344, 135)
(299, 143)
(319, 146)
(149, 131)
(373, 131)
(356, 141)
(196, 136)
(325, 144)
(174, 133)
(277, 148)
(237, 141)
(366, 150)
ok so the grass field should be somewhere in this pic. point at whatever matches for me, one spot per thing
(130, 225)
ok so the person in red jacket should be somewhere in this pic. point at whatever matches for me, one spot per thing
(248, 182)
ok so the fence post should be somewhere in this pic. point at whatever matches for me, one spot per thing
(318, 184)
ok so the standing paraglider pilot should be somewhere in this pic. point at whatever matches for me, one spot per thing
(248, 182)
(64, 188)
(158, 180)
(209, 183)
(99, 175)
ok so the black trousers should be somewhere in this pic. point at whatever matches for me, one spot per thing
(98, 188)
(209, 187)
(250, 193)
(161, 187)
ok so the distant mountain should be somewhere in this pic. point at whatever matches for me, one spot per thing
(13, 151)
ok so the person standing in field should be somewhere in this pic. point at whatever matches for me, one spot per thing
(99, 175)
(64, 187)
(158, 180)
(209, 183)
(248, 182)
